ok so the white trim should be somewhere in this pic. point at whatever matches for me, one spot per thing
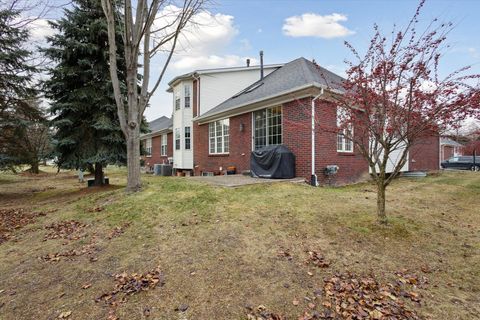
(266, 124)
(215, 137)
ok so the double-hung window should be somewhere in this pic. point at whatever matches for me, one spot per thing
(177, 138)
(345, 133)
(187, 138)
(187, 90)
(219, 136)
(267, 127)
(177, 100)
(163, 148)
(148, 147)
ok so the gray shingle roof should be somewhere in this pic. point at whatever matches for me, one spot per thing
(295, 74)
(449, 142)
(160, 124)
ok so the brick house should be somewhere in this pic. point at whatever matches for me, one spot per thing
(157, 145)
(277, 110)
(449, 148)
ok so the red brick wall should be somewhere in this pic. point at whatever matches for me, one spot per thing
(296, 136)
(424, 155)
(240, 147)
(156, 156)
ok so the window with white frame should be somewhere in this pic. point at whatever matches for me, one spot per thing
(163, 148)
(177, 138)
(148, 147)
(177, 100)
(267, 127)
(187, 138)
(219, 136)
(345, 133)
(187, 96)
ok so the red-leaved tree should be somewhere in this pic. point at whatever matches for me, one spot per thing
(394, 96)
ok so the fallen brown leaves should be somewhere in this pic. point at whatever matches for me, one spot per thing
(88, 249)
(317, 259)
(117, 231)
(261, 313)
(130, 284)
(351, 297)
(70, 230)
(12, 219)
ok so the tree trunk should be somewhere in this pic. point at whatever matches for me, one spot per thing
(34, 167)
(381, 215)
(98, 174)
(133, 159)
(90, 168)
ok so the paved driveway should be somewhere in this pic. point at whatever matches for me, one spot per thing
(237, 180)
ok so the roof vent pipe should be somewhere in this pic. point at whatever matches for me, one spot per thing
(261, 65)
(248, 62)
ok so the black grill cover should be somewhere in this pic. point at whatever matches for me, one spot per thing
(274, 162)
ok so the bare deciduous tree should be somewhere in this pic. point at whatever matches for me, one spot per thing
(150, 28)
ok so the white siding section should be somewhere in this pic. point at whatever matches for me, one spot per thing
(218, 87)
(182, 159)
(394, 159)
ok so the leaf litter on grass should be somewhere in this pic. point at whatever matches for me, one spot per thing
(13, 219)
(68, 230)
(130, 284)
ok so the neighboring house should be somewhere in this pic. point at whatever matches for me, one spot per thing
(157, 145)
(196, 93)
(449, 148)
(277, 110)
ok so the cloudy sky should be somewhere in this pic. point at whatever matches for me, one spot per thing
(233, 30)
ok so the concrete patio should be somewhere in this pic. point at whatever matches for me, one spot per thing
(238, 180)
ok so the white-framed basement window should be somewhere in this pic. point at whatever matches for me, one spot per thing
(219, 137)
(177, 138)
(148, 147)
(344, 144)
(163, 148)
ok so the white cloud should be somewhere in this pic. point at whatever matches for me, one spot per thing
(39, 29)
(314, 25)
(202, 41)
(211, 61)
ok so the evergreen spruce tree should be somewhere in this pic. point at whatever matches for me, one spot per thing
(18, 114)
(83, 106)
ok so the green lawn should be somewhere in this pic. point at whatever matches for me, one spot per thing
(221, 250)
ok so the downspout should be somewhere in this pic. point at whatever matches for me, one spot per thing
(313, 177)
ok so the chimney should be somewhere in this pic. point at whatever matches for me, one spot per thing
(248, 62)
(261, 65)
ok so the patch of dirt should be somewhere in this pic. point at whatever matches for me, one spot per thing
(13, 219)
